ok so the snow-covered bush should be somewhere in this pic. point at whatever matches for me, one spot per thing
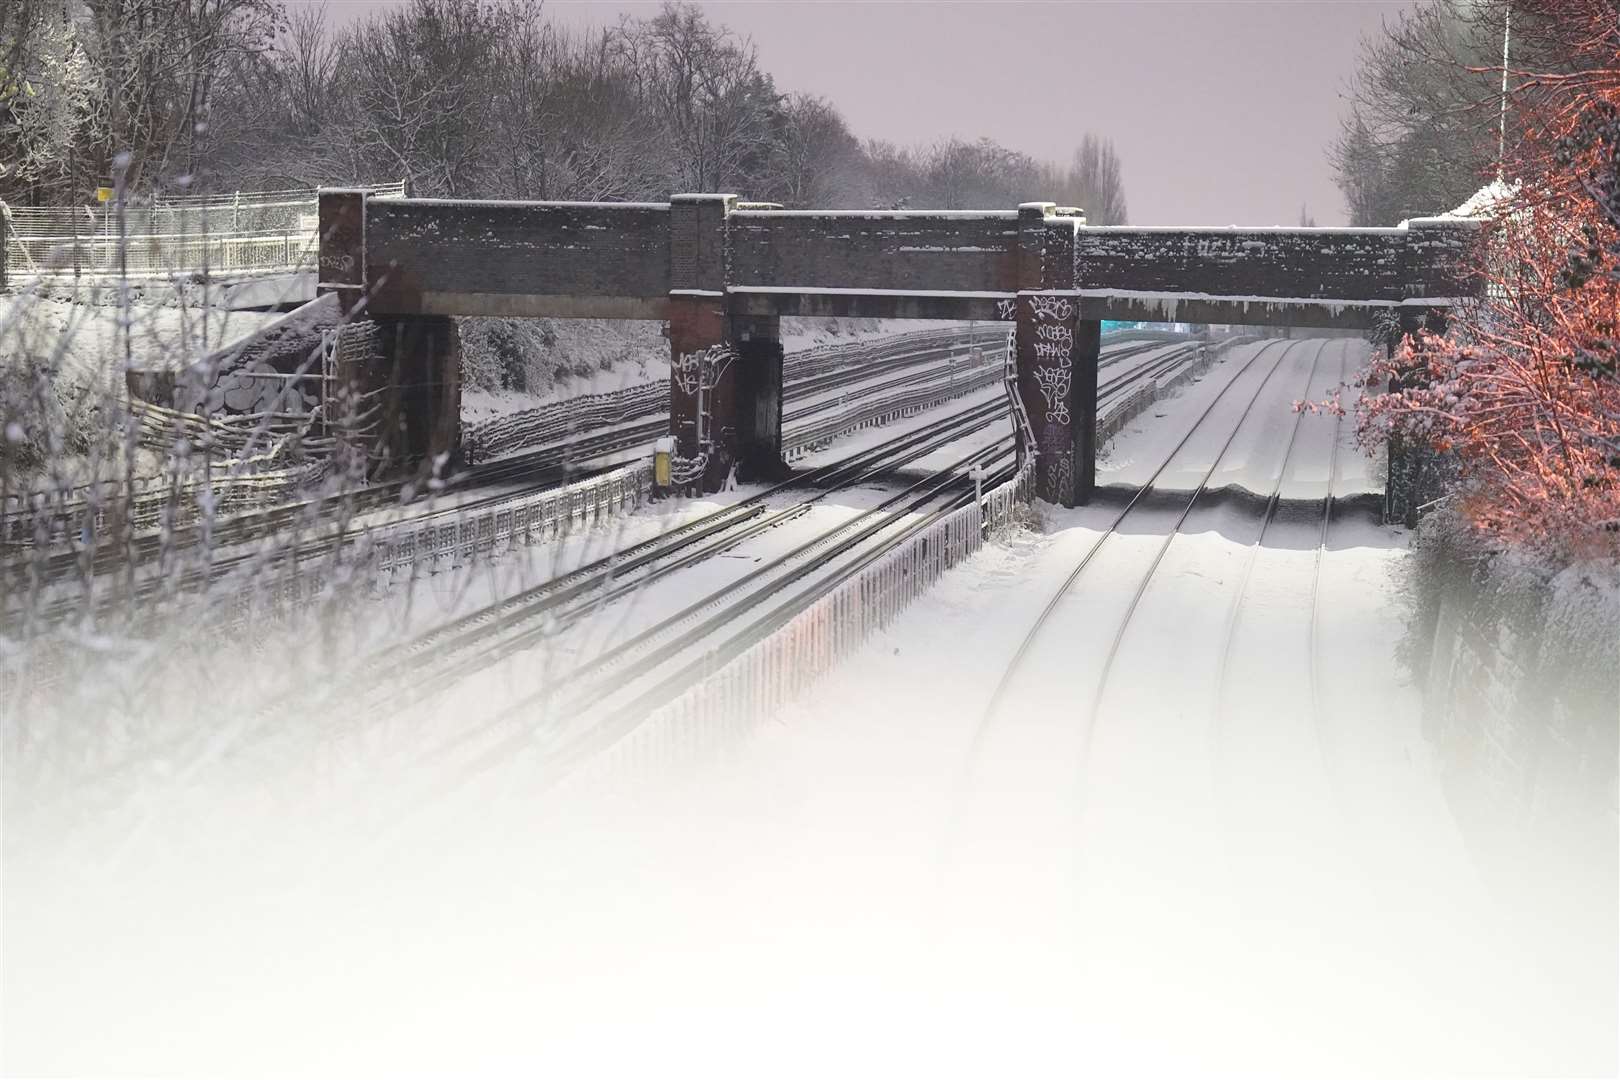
(1523, 392)
(544, 356)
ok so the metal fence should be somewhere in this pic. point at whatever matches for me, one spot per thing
(238, 233)
(412, 547)
(815, 435)
(283, 588)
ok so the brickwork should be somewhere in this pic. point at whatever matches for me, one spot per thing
(969, 252)
(406, 391)
(1057, 354)
(492, 258)
(721, 275)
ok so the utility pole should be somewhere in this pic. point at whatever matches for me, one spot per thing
(1501, 131)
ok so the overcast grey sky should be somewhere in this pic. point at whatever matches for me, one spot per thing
(1220, 109)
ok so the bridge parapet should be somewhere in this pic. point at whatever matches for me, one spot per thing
(623, 260)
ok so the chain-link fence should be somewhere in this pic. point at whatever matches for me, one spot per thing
(242, 232)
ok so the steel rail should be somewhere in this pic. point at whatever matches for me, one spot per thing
(1175, 529)
(1313, 633)
(638, 556)
(627, 669)
(473, 630)
(993, 705)
(1273, 500)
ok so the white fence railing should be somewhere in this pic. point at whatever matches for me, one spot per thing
(412, 547)
(234, 233)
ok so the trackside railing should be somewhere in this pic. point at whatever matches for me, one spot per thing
(401, 551)
(235, 233)
(412, 547)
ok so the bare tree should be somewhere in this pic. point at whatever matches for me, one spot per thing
(1421, 133)
(47, 94)
(422, 102)
(158, 61)
(705, 86)
(1094, 183)
(814, 154)
(310, 62)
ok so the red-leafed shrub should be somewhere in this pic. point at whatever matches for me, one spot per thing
(1523, 391)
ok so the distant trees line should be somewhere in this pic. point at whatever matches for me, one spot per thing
(1422, 131)
(461, 98)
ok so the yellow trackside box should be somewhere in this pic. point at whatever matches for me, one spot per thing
(663, 454)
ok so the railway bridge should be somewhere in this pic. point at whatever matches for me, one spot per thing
(723, 272)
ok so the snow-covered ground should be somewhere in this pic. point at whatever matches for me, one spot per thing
(62, 367)
(83, 345)
(1248, 876)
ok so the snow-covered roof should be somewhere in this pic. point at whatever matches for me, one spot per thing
(1484, 202)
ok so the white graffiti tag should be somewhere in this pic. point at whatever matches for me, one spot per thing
(1052, 348)
(701, 370)
(1006, 310)
(688, 372)
(1054, 384)
(1057, 308)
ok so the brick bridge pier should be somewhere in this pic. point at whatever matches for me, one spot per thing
(722, 273)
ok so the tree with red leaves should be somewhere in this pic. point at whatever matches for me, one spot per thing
(1523, 391)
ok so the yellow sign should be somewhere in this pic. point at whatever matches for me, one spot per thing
(104, 194)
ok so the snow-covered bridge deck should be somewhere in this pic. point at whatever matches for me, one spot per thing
(442, 257)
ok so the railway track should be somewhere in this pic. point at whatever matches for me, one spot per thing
(442, 657)
(1111, 529)
(719, 531)
(1252, 554)
(334, 521)
(1144, 562)
(556, 462)
(598, 702)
